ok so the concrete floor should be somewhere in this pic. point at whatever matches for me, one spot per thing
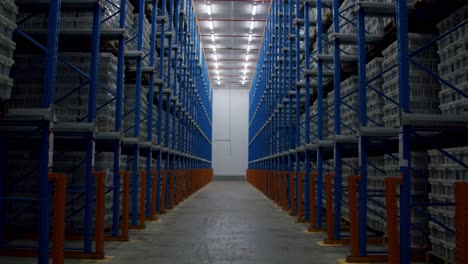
(225, 222)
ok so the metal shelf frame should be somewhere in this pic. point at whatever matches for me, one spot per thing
(281, 93)
(181, 89)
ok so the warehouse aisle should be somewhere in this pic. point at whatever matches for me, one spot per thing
(226, 222)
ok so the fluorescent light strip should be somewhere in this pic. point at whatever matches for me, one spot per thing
(213, 38)
(211, 25)
(248, 48)
(219, 83)
(251, 25)
(247, 57)
(214, 48)
(245, 65)
(250, 37)
(216, 65)
(243, 82)
(254, 10)
(208, 9)
(217, 72)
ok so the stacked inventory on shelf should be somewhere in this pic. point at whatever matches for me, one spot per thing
(424, 89)
(376, 214)
(71, 87)
(375, 102)
(444, 171)
(8, 13)
(453, 52)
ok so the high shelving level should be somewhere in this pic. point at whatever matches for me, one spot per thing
(111, 107)
(357, 123)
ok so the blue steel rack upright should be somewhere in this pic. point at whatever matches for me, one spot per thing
(46, 135)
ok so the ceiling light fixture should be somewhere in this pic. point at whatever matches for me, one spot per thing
(212, 38)
(250, 37)
(247, 57)
(245, 72)
(243, 78)
(245, 65)
(216, 57)
(254, 10)
(211, 25)
(217, 72)
(248, 48)
(214, 48)
(251, 25)
(208, 9)
(243, 82)
(216, 65)
(219, 83)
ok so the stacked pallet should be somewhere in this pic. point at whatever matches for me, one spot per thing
(78, 20)
(8, 13)
(349, 107)
(444, 172)
(375, 101)
(376, 214)
(71, 91)
(453, 52)
(419, 191)
(423, 89)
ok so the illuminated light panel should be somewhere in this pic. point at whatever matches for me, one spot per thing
(248, 48)
(250, 37)
(213, 38)
(251, 25)
(211, 25)
(254, 10)
(208, 9)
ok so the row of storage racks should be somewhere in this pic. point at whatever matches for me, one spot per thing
(105, 121)
(359, 123)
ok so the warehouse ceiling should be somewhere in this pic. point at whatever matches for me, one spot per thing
(232, 34)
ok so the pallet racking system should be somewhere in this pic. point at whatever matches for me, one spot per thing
(357, 160)
(164, 121)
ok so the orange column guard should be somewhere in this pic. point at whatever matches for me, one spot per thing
(312, 202)
(170, 179)
(125, 204)
(391, 187)
(142, 198)
(293, 199)
(162, 203)
(58, 230)
(153, 196)
(329, 202)
(300, 213)
(353, 216)
(100, 200)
